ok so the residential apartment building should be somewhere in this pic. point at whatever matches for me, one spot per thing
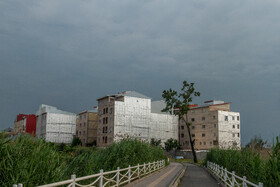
(130, 114)
(86, 127)
(55, 125)
(212, 125)
(25, 124)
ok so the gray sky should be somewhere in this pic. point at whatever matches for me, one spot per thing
(67, 53)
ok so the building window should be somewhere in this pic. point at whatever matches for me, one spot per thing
(215, 142)
(193, 127)
(203, 134)
(214, 134)
(80, 124)
(105, 139)
(182, 127)
(210, 143)
(203, 118)
(80, 132)
(237, 126)
(84, 124)
(80, 117)
(200, 143)
(237, 118)
(193, 135)
(111, 110)
(233, 135)
(85, 116)
(214, 117)
(233, 126)
(215, 125)
(233, 118)
(182, 135)
(204, 143)
(106, 120)
(226, 118)
(238, 135)
(106, 110)
(203, 126)
(193, 119)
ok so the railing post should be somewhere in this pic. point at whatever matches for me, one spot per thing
(74, 178)
(154, 165)
(144, 168)
(14, 185)
(232, 178)
(149, 167)
(20, 185)
(225, 174)
(260, 184)
(168, 160)
(157, 165)
(138, 171)
(244, 181)
(101, 178)
(129, 172)
(118, 176)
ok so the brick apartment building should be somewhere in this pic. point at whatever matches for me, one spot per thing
(212, 125)
(86, 127)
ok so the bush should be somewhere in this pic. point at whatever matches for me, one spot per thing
(35, 162)
(249, 163)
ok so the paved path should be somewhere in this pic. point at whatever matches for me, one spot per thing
(162, 178)
(197, 177)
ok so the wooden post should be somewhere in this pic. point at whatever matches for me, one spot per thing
(244, 181)
(101, 178)
(118, 176)
(260, 184)
(138, 171)
(73, 177)
(129, 173)
(232, 178)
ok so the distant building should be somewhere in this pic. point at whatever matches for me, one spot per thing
(55, 125)
(212, 125)
(25, 123)
(133, 114)
(87, 122)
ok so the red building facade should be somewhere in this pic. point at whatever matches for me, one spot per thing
(29, 122)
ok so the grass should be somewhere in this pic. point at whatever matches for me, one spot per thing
(250, 163)
(35, 162)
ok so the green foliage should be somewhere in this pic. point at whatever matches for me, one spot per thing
(179, 101)
(171, 144)
(256, 143)
(29, 161)
(76, 141)
(155, 142)
(249, 163)
(35, 162)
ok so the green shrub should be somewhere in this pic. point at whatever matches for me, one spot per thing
(248, 163)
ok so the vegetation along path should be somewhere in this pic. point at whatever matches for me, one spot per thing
(196, 176)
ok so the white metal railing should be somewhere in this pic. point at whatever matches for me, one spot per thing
(229, 178)
(110, 178)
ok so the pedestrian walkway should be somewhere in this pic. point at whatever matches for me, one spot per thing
(196, 176)
(162, 178)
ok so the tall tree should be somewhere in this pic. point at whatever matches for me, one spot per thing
(177, 103)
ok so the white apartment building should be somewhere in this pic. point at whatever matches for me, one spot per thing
(55, 125)
(212, 125)
(133, 114)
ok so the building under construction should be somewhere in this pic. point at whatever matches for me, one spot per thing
(131, 114)
(55, 125)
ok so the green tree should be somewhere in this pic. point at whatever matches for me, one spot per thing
(256, 143)
(155, 142)
(76, 141)
(171, 144)
(180, 101)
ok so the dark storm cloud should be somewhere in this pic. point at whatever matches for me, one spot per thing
(68, 53)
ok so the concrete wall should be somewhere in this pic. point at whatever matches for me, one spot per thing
(187, 154)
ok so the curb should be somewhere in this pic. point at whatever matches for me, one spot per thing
(175, 182)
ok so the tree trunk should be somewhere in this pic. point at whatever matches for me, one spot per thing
(192, 144)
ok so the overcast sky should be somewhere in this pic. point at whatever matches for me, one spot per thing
(67, 53)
